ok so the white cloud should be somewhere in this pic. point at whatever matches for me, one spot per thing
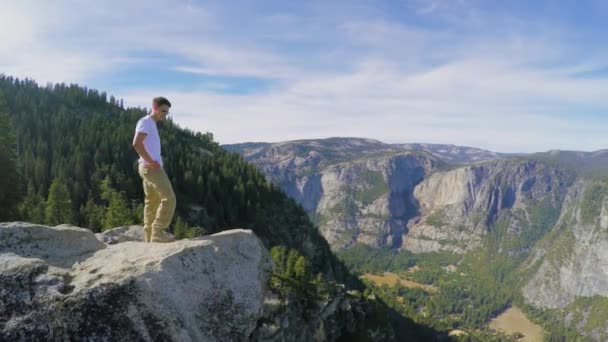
(442, 107)
(494, 81)
(72, 41)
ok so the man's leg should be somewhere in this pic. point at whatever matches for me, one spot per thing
(151, 203)
(161, 183)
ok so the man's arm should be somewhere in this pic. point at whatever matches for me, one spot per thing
(138, 145)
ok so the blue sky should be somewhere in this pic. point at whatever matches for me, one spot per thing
(510, 76)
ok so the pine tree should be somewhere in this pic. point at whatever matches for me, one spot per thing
(278, 254)
(93, 215)
(118, 213)
(180, 229)
(302, 269)
(10, 192)
(33, 206)
(292, 258)
(58, 204)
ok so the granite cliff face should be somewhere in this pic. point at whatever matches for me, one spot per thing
(459, 207)
(577, 245)
(357, 190)
(66, 283)
(570, 264)
(369, 200)
(62, 283)
(363, 191)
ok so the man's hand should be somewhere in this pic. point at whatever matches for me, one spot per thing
(154, 165)
(138, 144)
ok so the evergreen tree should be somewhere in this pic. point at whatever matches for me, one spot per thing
(292, 258)
(180, 229)
(302, 270)
(58, 204)
(33, 206)
(278, 254)
(118, 213)
(93, 215)
(10, 191)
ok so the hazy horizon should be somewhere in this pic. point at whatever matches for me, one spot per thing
(402, 143)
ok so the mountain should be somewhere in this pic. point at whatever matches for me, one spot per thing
(453, 154)
(569, 266)
(368, 184)
(322, 152)
(373, 181)
(587, 164)
(458, 208)
(538, 220)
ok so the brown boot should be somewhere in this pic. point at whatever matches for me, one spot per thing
(161, 237)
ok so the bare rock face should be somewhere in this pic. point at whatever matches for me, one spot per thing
(356, 190)
(367, 200)
(370, 200)
(573, 260)
(61, 246)
(410, 196)
(458, 207)
(62, 283)
(283, 322)
(122, 234)
(569, 267)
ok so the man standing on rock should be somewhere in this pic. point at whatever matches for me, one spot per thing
(160, 198)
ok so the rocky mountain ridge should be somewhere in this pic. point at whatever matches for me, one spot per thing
(551, 206)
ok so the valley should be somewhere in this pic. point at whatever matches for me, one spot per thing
(391, 279)
(526, 231)
(514, 321)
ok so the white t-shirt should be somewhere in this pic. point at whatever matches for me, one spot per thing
(152, 140)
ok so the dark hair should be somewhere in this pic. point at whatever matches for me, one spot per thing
(159, 101)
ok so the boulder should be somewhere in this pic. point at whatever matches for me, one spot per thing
(62, 283)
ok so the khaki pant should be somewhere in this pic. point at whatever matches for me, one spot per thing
(159, 203)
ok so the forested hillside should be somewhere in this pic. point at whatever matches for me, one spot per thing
(77, 166)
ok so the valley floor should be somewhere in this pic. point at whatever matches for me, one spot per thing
(513, 320)
(391, 279)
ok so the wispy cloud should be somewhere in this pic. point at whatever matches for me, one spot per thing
(424, 70)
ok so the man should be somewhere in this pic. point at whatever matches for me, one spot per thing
(160, 199)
